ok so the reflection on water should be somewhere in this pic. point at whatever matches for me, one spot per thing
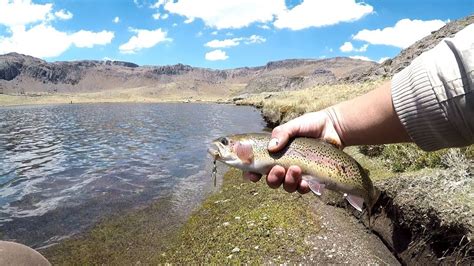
(64, 167)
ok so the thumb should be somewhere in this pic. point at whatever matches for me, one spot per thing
(282, 134)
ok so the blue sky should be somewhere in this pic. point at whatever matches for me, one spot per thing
(219, 33)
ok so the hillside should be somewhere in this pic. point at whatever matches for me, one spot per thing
(26, 75)
(392, 66)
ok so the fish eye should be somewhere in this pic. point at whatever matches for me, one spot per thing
(224, 141)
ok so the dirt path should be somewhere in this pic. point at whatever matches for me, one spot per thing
(344, 239)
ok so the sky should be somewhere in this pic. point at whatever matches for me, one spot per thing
(219, 34)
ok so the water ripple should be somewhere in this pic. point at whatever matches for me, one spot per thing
(67, 160)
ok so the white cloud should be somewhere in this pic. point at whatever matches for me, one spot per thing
(30, 31)
(144, 39)
(360, 57)
(116, 20)
(214, 32)
(174, 24)
(189, 20)
(158, 15)
(224, 43)
(255, 39)
(382, 59)
(138, 3)
(403, 34)
(45, 41)
(159, 3)
(264, 26)
(320, 13)
(363, 48)
(63, 14)
(227, 14)
(216, 55)
(19, 13)
(229, 34)
(348, 47)
(87, 39)
(106, 58)
(199, 34)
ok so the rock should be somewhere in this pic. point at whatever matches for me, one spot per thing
(235, 250)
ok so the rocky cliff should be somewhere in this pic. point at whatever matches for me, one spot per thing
(21, 74)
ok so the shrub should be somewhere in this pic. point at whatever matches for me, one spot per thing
(406, 157)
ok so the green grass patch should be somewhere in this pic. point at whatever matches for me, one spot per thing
(245, 223)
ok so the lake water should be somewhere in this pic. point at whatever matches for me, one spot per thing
(63, 167)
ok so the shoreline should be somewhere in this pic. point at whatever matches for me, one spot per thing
(100, 98)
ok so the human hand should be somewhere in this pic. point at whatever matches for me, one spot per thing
(322, 125)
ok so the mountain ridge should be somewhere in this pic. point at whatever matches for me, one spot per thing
(22, 74)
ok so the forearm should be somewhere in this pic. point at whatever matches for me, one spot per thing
(368, 119)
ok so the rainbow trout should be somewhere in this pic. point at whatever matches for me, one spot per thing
(323, 165)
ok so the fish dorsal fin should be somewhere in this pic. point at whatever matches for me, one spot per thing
(355, 201)
(315, 186)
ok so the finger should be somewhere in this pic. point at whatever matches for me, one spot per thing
(254, 177)
(292, 179)
(303, 187)
(276, 176)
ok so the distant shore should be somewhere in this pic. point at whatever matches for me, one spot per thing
(102, 97)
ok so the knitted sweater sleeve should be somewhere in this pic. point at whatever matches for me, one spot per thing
(433, 97)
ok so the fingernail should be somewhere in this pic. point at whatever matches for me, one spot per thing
(273, 143)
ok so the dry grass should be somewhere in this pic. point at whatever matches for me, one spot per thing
(138, 95)
(280, 107)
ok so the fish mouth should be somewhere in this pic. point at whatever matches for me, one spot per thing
(222, 153)
(216, 150)
(214, 153)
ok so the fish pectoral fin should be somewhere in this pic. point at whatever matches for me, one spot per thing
(316, 187)
(356, 201)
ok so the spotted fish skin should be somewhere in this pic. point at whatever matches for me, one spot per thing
(318, 160)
